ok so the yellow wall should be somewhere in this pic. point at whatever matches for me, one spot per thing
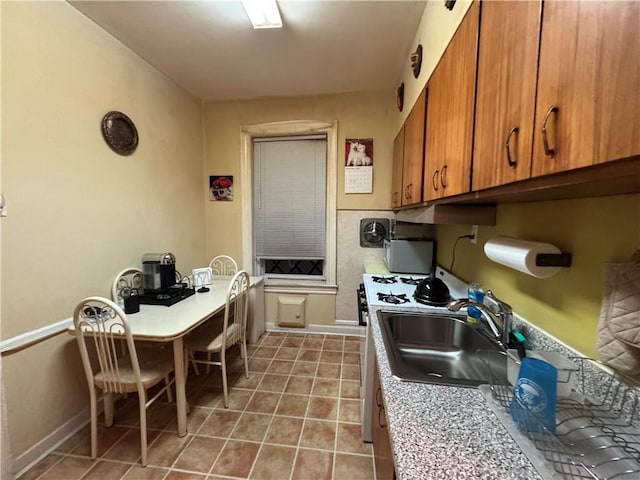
(78, 212)
(566, 305)
(359, 115)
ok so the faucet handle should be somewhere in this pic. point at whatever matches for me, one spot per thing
(497, 305)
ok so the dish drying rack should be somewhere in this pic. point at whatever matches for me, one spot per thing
(597, 425)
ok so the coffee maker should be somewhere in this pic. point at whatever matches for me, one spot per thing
(158, 271)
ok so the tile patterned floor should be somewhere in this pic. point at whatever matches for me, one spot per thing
(296, 417)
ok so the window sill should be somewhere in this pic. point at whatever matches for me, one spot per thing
(279, 285)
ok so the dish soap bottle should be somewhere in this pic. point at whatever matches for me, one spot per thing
(476, 294)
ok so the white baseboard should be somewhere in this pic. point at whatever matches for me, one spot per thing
(341, 327)
(44, 447)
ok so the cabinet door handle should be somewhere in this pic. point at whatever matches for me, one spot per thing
(379, 397)
(382, 421)
(549, 152)
(433, 180)
(443, 177)
(512, 163)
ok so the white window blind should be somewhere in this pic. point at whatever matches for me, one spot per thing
(289, 198)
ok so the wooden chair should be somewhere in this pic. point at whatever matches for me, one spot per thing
(99, 322)
(223, 265)
(220, 333)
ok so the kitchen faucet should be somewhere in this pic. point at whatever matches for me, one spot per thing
(492, 309)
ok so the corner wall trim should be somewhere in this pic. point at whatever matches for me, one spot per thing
(24, 340)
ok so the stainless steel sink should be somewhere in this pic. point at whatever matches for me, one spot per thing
(438, 349)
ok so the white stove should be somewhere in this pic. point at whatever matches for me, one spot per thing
(396, 290)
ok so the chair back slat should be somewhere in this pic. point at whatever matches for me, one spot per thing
(236, 307)
(129, 277)
(223, 266)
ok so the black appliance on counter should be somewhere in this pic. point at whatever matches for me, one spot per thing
(158, 271)
(160, 280)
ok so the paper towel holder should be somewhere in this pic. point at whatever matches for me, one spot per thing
(538, 259)
(562, 259)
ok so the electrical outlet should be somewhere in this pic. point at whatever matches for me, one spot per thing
(474, 234)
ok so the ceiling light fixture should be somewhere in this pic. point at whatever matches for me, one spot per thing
(263, 13)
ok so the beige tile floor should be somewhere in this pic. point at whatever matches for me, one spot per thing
(295, 418)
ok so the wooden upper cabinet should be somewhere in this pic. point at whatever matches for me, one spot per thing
(506, 92)
(588, 104)
(396, 182)
(413, 159)
(450, 108)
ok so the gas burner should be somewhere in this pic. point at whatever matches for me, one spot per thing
(394, 299)
(410, 280)
(391, 279)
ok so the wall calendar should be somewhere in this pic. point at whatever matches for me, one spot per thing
(358, 161)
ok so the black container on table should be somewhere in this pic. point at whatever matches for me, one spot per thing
(132, 302)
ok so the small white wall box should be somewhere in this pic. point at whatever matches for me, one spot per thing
(291, 311)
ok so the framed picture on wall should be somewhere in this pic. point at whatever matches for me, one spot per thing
(221, 188)
(358, 152)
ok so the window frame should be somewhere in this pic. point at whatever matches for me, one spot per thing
(279, 129)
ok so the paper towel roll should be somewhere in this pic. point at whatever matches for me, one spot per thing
(520, 255)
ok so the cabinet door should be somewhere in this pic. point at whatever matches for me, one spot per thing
(413, 153)
(396, 183)
(588, 100)
(383, 458)
(450, 112)
(506, 92)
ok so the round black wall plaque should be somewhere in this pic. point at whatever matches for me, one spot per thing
(120, 133)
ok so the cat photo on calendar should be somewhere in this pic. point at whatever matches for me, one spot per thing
(358, 152)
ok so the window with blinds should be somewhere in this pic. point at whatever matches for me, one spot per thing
(289, 204)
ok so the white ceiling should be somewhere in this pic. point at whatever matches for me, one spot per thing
(210, 49)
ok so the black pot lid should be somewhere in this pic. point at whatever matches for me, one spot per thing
(432, 291)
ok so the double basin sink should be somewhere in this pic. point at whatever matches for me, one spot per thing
(439, 349)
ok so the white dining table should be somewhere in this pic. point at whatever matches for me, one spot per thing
(158, 323)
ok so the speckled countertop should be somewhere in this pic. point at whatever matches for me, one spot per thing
(440, 432)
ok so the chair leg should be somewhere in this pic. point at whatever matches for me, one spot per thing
(208, 364)
(223, 366)
(108, 409)
(143, 428)
(94, 423)
(186, 374)
(193, 362)
(167, 381)
(243, 352)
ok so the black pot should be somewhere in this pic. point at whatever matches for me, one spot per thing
(432, 291)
